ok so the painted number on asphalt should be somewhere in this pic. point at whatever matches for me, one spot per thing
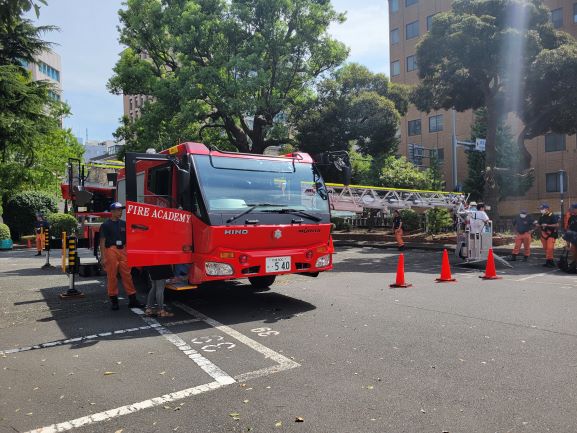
(264, 332)
(218, 343)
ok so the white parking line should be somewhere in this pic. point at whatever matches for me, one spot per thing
(128, 409)
(535, 276)
(211, 369)
(283, 363)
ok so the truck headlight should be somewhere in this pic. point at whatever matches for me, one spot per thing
(323, 261)
(215, 269)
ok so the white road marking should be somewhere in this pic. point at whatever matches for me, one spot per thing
(128, 409)
(90, 337)
(283, 362)
(211, 369)
(535, 276)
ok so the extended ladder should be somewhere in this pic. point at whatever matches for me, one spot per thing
(356, 198)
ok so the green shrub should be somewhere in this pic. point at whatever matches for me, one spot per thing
(21, 210)
(4, 232)
(438, 220)
(61, 222)
(410, 219)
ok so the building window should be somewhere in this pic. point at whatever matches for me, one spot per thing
(430, 21)
(49, 71)
(553, 182)
(410, 2)
(411, 63)
(130, 104)
(395, 37)
(394, 5)
(414, 127)
(416, 153)
(575, 12)
(554, 142)
(439, 154)
(412, 30)
(395, 68)
(557, 18)
(436, 123)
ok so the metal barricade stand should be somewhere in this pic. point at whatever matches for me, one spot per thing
(46, 233)
(69, 251)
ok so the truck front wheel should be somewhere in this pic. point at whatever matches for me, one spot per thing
(261, 283)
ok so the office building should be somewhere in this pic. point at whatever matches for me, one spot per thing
(426, 134)
(48, 67)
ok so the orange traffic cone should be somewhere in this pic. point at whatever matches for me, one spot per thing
(445, 270)
(490, 271)
(401, 273)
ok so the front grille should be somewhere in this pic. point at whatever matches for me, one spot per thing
(301, 266)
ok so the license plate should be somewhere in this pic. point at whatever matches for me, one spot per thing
(278, 264)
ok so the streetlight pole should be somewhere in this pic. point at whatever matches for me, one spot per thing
(454, 147)
(562, 196)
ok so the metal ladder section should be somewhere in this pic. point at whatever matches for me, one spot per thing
(356, 198)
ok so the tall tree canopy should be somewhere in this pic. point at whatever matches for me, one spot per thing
(33, 147)
(511, 183)
(483, 54)
(237, 66)
(353, 106)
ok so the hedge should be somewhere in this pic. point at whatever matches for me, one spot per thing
(61, 222)
(21, 209)
(4, 232)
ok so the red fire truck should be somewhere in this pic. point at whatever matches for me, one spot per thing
(226, 215)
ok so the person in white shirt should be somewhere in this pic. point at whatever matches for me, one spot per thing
(478, 218)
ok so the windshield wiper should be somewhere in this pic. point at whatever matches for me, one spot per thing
(252, 206)
(296, 212)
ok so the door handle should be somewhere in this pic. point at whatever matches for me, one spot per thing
(139, 227)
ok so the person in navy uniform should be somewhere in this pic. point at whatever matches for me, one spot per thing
(114, 259)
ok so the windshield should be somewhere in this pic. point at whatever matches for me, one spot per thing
(232, 185)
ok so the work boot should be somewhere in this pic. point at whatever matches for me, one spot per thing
(525, 258)
(549, 264)
(513, 258)
(402, 248)
(114, 303)
(38, 253)
(133, 302)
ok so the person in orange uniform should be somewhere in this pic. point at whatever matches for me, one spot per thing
(549, 223)
(398, 229)
(39, 227)
(570, 226)
(524, 228)
(114, 260)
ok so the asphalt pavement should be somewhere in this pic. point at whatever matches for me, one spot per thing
(339, 353)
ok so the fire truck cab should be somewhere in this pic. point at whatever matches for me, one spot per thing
(226, 215)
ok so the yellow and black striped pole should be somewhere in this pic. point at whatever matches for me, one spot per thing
(70, 249)
(45, 233)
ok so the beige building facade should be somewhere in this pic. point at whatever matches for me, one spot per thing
(427, 134)
(48, 67)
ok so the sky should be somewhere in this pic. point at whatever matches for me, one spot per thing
(88, 45)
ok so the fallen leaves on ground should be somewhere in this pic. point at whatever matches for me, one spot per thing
(278, 424)
(108, 373)
(299, 419)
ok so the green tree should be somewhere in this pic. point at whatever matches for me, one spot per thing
(353, 106)
(551, 107)
(236, 67)
(399, 173)
(510, 182)
(33, 147)
(479, 55)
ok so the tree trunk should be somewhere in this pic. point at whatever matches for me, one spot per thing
(524, 155)
(491, 192)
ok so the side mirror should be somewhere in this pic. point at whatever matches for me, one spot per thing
(184, 188)
(347, 175)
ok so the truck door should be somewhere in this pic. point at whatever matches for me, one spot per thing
(158, 226)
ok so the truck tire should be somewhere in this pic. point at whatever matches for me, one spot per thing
(262, 283)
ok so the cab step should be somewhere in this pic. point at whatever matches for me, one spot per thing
(180, 285)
